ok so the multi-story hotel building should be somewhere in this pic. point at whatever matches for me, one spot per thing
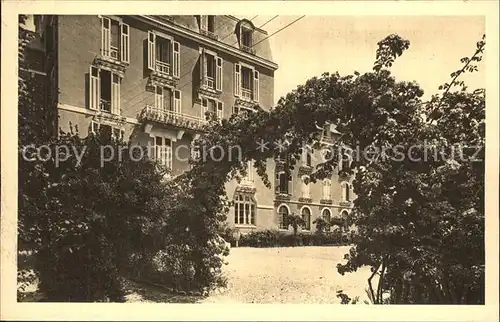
(151, 79)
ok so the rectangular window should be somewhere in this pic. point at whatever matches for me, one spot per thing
(115, 39)
(104, 90)
(105, 99)
(246, 37)
(211, 23)
(163, 58)
(246, 83)
(163, 151)
(163, 55)
(211, 71)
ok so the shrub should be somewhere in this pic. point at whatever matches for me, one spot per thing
(274, 238)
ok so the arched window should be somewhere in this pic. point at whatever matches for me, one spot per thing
(346, 188)
(244, 209)
(306, 216)
(326, 214)
(283, 213)
(305, 187)
(327, 185)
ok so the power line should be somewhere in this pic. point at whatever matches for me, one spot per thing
(186, 62)
(279, 30)
(196, 57)
(274, 33)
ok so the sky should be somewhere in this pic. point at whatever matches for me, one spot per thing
(317, 44)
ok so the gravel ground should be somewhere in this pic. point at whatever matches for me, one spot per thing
(298, 275)
(289, 275)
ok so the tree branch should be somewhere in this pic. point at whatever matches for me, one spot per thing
(370, 282)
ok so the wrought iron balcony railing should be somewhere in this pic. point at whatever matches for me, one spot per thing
(160, 115)
(162, 67)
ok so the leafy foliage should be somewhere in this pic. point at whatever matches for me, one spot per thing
(420, 224)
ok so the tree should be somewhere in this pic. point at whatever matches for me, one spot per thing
(414, 217)
(295, 221)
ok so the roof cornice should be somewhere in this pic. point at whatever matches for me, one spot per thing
(181, 31)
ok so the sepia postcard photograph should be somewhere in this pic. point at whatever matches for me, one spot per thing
(327, 159)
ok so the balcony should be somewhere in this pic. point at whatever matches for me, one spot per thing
(105, 105)
(246, 93)
(248, 49)
(208, 88)
(162, 74)
(163, 67)
(284, 196)
(345, 203)
(162, 116)
(305, 199)
(209, 34)
(326, 201)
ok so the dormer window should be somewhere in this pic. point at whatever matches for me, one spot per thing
(244, 31)
(207, 26)
(211, 23)
(246, 37)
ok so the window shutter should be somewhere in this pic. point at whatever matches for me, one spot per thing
(125, 44)
(237, 80)
(203, 22)
(204, 108)
(105, 36)
(277, 182)
(115, 94)
(177, 101)
(256, 86)
(159, 102)
(94, 88)
(289, 176)
(94, 127)
(219, 74)
(177, 59)
(151, 50)
(220, 110)
(250, 171)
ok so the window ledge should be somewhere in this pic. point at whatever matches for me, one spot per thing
(160, 78)
(208, 91)
(244, 226)
(283, 196)
(326, 201)
(110, 119)
(245, 103)
(305, 199)
(345, 203)
(246, 189)
(111, 64)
